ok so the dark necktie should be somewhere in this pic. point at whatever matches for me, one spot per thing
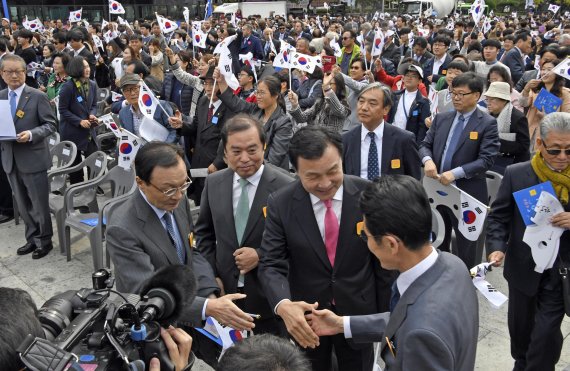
(210, 113)
(175, 241)
(453, 142)
(395, 297)
(373, 168)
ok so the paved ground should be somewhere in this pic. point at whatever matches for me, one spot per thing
(45, 277)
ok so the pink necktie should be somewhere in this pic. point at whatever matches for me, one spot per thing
(331, 231)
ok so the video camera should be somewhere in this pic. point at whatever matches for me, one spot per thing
(102, 329)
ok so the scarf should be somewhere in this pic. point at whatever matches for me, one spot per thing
(504, 123)
(560, 180)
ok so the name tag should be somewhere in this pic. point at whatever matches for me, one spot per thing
(415, 113)
(359, 227)
(265, 211)
(79, 99)
(473, 135)
(215, 120)
(395, 163)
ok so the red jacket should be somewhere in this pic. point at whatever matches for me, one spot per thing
(250, 99)
(396, 82)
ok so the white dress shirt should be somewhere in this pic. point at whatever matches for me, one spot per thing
(320, 209)
(253, 182)
(365, 147)
(436, 65)
(403, 111)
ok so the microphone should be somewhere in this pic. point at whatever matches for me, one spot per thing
(167, 293)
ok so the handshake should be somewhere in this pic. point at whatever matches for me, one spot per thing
(305, 323)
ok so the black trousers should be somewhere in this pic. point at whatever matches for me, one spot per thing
(534, 325)
(6, 207)
(347, 357)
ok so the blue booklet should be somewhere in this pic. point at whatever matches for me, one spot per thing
(92, 222)
(547, 101)
(527, 198)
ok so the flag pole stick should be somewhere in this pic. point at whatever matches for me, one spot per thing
(213, 92)
(290, 83)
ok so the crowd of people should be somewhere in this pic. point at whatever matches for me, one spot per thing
(312, 214)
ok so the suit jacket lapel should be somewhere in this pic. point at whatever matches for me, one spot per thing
(357, 148)
(24, 99)
(445, 123)
(303, 211)
(224, 194)
(399, 314)
(347, 228)
(387, 148)
(259, 201)
(154, 230)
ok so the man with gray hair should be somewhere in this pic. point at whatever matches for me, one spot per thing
(374, 148)
(536, 300)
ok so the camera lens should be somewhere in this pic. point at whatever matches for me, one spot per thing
(55, 315)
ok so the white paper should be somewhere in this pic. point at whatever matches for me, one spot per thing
(494, 297)
(542, 237)
(199, 173)
(98, 163)
(65, 151)
(7, 128)
(151, 130)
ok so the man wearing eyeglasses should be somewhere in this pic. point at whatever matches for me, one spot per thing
(536, 299)
(350, 50)
(153, 229)
(459, 148)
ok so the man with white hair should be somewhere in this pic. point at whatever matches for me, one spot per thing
(536, 299)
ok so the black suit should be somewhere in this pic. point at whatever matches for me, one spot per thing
(399, 152)
(536, 307)
(267, 48)
(217, 241)
(392, 53)
(294, 265)
(512, 152)
(206, 136)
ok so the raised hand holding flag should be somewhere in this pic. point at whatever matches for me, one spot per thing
(554, 8)
(166, 25)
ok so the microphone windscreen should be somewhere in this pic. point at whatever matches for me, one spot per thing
(179, 280)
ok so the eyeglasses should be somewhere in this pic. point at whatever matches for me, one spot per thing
(556, 151)
(172, 191)
(17, 72)
(130, 90)
(260, 93)
(347, 38)
(462, 95)
(440, 45)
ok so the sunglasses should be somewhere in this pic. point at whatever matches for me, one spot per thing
(556, 151)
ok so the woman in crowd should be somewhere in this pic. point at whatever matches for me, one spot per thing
(500, 73)
(270, 110)
(77, 109)
(512, 126)
(57, 78)
(173, 90)
(552, 83)
(47, 60)
(157, 57)
(330, 111)
(396, 82)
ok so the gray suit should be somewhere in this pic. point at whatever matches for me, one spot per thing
(216, 238)
(435, 324)
(26, 164)
(139, 245)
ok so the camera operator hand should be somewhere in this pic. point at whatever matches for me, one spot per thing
(179, 344)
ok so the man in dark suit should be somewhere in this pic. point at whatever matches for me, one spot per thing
(234, 252)
(267, 39)
(78, 48)
(390, 50)
(153, 229)
(536, 306)
(436, 67)
(376, 148)
(309, 257)
(27, 159)
(460, 147)
(26, 50)
(205, 131)
(419, 51)
(411, 108)
(514, 59)
(420, 330)
(250, 43)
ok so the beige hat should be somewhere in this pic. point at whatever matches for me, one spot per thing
(129, 79)
(499, 89)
